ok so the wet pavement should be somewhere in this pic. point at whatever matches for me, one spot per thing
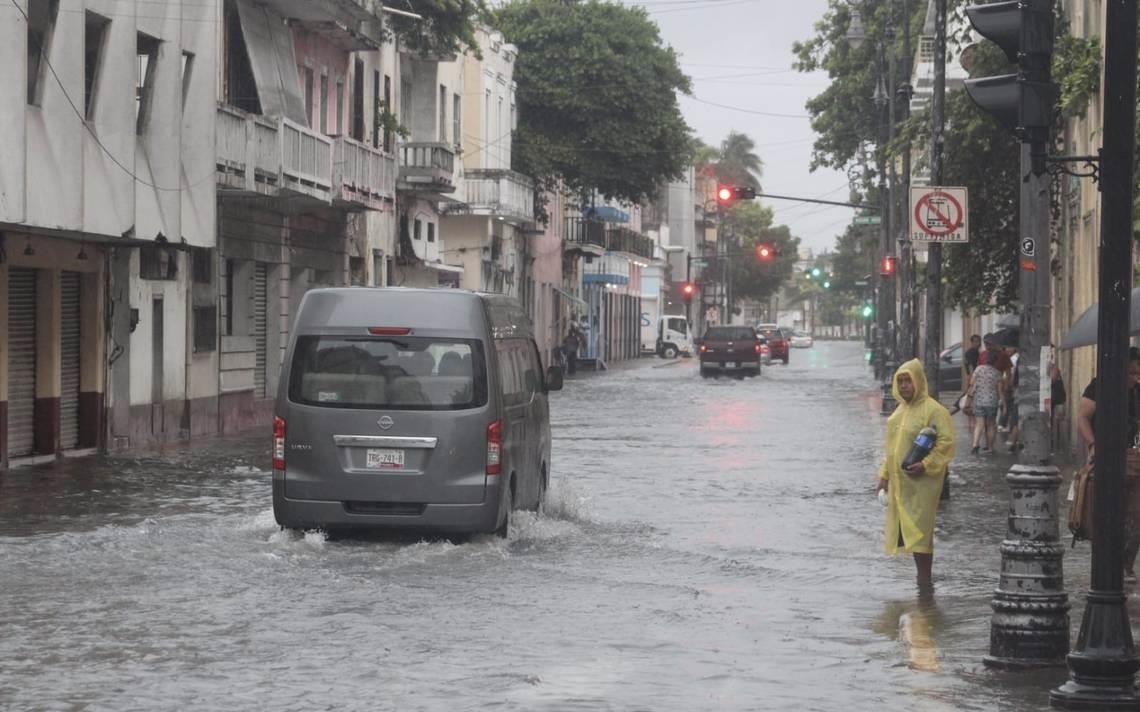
(708, 544)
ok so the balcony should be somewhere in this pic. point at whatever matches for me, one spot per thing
(631, 242)
(362, 176)
(585, 235)
(274, 157)
(501, 194)
(427, 167)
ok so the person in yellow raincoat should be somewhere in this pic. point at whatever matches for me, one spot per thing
(912, 495)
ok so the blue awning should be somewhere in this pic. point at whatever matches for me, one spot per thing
(602, 278)
(607, 214)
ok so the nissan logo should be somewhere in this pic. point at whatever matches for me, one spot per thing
(385, 422)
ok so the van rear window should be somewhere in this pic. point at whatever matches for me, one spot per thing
(389, 373)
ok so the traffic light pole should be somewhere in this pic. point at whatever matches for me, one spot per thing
(1103, 666)
(933, 345)
(906, 252)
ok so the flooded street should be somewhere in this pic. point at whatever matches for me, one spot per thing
(707, 544)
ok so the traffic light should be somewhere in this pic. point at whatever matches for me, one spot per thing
(1022, 102)
(868, 311)
(688, 289)
(728, 194)
(827, 284)
(887, 266)
(816, 271)
(765, 252)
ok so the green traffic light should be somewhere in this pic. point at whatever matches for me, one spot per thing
(815, 272)
(827, 285)
(868, 310)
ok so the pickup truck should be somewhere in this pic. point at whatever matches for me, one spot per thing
(730, 348)
(777, 341)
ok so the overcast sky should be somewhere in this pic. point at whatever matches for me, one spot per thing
(739, 54)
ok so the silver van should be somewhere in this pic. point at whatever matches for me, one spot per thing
(410, 409)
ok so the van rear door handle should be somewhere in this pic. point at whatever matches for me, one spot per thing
(385, 441)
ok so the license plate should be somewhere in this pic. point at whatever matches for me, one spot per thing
(384, 459)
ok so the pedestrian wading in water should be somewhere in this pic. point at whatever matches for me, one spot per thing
(912, 494)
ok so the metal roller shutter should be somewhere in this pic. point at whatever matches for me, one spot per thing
(260, 308)
(21, 361)
(69, 361)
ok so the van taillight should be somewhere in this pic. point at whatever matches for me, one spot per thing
(389, 330)
(278, 443)
(758, 349)
(495, 448)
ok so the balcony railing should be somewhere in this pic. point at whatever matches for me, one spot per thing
(631, 242)
(500, 193)
(256, 154)
(428, 166)
(582, 231)
(362, 175)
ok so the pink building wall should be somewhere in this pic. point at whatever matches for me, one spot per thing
(550, 307)
(325, 59)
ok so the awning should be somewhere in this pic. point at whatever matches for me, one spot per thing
(440, 267)
(269, 42)
(606, 213)
(571, 297)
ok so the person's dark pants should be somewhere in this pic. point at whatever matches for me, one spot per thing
(571, 361)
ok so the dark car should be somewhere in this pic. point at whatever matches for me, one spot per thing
(730, 348)
(778, 342)
(950, 365)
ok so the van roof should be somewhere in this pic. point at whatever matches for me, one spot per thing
(437, 309)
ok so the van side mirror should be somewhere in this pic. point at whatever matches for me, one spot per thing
(554, 378)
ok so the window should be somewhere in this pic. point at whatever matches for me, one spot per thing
(393, 373)
(231, 269)
(239, 87)
(431, 232)
(324, 103)
(358, 100)
(205, 329)
(500, 132)
(202, 265)
(379, 107)
(146, 50)
(158, 262)
(442, 114)
(42, 15)
(456, 122)
(94, 39)
(388, 108)
(340, 107)
(520, 375)
(310, 105)
(187, 74)
(356, 271)
(406, 102)
(416, 229)
(487, 129)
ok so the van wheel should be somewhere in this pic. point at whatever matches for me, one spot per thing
(669, 352)
(543, 485)
(504, 528)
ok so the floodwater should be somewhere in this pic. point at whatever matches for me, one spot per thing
(707, 544)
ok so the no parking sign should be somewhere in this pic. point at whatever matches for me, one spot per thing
(939, 214)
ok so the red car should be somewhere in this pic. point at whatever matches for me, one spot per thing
(777, 341)
(730, 348)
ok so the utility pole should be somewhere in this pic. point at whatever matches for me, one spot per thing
(934, 261)
(906, 251)
(888, 219)
(1102, 668)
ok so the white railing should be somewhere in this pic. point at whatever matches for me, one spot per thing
(362, 173)
(306, 158)
(231, 140)
(501, 192)
(266, 148)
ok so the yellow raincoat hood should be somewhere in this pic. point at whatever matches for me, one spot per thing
(912, 500)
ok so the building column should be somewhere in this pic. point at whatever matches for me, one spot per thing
(3, 366)
(119, 394)
(92, 379)
(48, 335)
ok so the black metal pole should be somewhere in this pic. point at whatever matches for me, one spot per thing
(1103, 666)
(934, 255)
(906, 259)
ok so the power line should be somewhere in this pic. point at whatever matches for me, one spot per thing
(750, 111)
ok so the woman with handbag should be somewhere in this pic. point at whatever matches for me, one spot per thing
(985, 384)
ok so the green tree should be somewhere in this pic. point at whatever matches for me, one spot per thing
(738, 163)
(447, 28)
(749, 225)
(597, 94)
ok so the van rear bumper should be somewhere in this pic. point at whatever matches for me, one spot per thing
(325, 514)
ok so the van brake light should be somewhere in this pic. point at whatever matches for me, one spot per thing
(389, 330)
(495, 448)
(278, 443)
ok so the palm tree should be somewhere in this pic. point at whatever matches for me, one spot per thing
(738, 162)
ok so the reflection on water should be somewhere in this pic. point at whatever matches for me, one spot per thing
(917, 624)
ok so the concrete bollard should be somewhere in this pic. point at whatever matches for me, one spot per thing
(1030, 624)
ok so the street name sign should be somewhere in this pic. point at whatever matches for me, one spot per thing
(867, 220)
(939, 214)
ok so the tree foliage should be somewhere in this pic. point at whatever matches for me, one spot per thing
(738, 163)
(447, 28)
(750, 225)
(597, 94)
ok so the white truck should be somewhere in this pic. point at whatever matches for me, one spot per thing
(667, 335)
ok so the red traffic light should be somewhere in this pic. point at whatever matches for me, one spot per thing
(887, 266)
(724, 194)
(765, 252)
(688, 289)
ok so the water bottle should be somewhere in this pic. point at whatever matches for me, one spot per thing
(923, 444)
